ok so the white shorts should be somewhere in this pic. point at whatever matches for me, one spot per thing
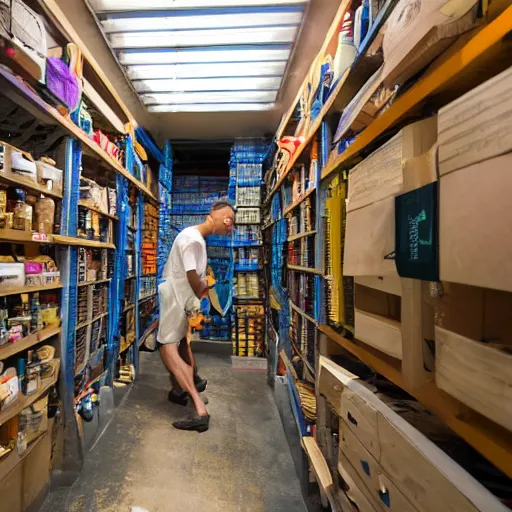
(173, 324)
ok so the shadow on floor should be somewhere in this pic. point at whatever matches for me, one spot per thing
(241, 464)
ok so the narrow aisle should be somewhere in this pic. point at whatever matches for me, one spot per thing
(242, 463)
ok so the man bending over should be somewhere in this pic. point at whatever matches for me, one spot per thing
(185, 276)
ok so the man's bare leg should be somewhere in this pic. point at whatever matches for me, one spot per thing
(184, 374)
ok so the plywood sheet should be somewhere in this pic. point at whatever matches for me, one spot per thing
(361, 418)
(384, 491)
(380, 332)
(477, 126)
(475, 373)
(369, 238)
(475, 232)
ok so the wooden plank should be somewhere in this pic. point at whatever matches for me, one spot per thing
(89, 283)
(301, 235)
(378, 176)
(410, 461)
(417, 324)
(331, 382)
(381, 363)
(357, 491)
(380, 332)
(28, 184)
(302, 313)
(102, 106)
(371, 473)
(389, 284)
(4, 292)
(307, 270)
(297, 202)
(321, 470)
(477, 255)
(486, 43)
(27, 342)
(476, 126)
(492, 441)
(83, 204)
(369, 238)
(81, 242)
(475, 373)
(361, 418)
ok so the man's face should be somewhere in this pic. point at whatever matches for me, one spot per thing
(223, 220)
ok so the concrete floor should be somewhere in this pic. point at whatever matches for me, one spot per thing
(241, 464)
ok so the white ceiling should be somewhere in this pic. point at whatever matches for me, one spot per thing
(202, 56)
(206, 125)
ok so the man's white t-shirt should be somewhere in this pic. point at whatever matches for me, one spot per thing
(188, 252)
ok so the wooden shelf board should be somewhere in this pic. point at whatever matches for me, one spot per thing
(441, 77)
(89, 283)
(307, 270)
(297, 202)
(27, 342)
(24, 401)
(89, 322)
(302, 313)
(301, 235)
(29, 289)
(32, 186)
(321, 471)
(19, 92)
(12, 459)
(491, 440)
(17, 236)
(81, 242)
(83, 204)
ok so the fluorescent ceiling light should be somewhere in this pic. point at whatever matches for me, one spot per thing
(149, 5)
(175, 71)
(203, 55)
(176, 39)
(210, 97)
(208, 84)
(204, 21)
(213, 107)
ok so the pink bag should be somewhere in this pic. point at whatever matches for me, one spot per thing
(33, 267)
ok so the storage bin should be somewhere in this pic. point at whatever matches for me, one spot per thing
(49, 176)
(12, 275)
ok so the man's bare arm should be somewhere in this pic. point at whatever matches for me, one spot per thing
(197, 284)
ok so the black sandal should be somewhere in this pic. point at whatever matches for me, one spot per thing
(197, 423)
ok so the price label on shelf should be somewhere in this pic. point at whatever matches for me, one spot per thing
(39, 237)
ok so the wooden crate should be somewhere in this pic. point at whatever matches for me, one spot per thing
(476, 372)
(407, 465)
